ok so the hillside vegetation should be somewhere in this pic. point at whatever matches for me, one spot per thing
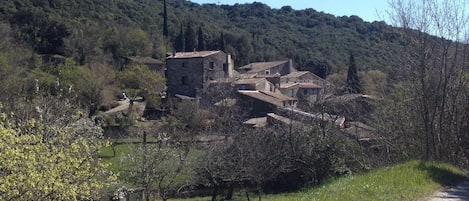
(412, 180)
(252, 32)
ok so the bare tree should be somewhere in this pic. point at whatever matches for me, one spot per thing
(435, 69)
(156, 165)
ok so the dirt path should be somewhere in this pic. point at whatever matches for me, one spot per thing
(456, 193)
(123, 105)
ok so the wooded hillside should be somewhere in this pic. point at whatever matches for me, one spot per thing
(92, 29)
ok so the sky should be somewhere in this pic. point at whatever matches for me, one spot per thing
(368, 10)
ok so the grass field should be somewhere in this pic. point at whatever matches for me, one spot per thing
(408, 181)
(124, 149)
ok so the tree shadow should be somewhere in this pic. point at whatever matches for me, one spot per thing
(442, 175)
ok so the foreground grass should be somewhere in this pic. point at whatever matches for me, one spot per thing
(408, 181)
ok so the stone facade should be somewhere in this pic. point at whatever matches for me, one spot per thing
(305, 84)
(188, 72)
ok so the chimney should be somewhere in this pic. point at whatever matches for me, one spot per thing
(230, 65)
(290, 66)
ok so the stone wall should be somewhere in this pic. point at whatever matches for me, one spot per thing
(186, 75)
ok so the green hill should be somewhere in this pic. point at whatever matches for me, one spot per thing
(315, 40)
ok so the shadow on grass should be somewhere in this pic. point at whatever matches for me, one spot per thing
(442, 175)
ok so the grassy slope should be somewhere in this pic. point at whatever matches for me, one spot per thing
(408, 181)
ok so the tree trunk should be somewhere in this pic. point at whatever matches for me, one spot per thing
(259, 193)
(214, 193)
(247, 196)
(113, 147)
(229, 194)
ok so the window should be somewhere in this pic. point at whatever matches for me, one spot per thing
(184, 64)
(305, 92)
(267, 72)
(184, 80)
(211, 66)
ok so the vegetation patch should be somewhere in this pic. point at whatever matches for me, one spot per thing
(408, 181)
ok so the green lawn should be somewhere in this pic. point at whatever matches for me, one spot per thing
(106, 155)
(408, 181)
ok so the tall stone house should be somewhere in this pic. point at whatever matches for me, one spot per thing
(188, 72)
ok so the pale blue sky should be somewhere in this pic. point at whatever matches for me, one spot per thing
(368, 10)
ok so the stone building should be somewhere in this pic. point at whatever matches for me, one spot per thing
(267, 69)
(188, 72)
(305, 85)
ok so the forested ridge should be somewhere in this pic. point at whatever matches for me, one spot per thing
(252, 32)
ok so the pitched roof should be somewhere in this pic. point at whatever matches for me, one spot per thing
(288, 85)
(249, 81)
(304, 85)
(262, 97)
(278, 96)
(195, 54)
(260, 66)
(309, 86)
(283, 119)
(257, 122)
(268, 97)
(337, 120)
(295, 74)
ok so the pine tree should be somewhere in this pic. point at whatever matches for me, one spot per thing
(165, 20)
(190, 38)
(353, 83)
(201, 40)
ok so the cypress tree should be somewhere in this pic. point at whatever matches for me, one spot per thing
(190, 38)
(353, 83)
(165, 20)
(201, 40)
(180, 43)
(222, 42)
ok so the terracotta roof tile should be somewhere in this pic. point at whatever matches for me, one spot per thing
(260, 66)
(296, 74)
(268, 97)
(196, 54)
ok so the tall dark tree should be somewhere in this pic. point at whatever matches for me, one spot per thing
(201, 40)
(222, 42)
(353, 83)
(165, 20)
(191, 42)
(180, 43)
